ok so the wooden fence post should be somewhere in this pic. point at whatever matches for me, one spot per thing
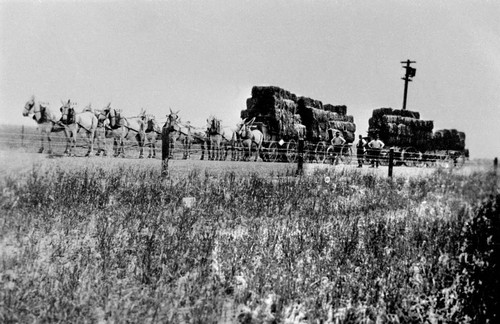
(22, 136)
(300, 158)
(391, 161)
(495, 166)
(165, 149)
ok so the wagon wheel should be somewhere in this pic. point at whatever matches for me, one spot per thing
(347, 154)
(412, 157)
(320, 152)
(272, 152)
(384, 158)
(330, 155)
(291, 151)
(457, 159)
(444, 161)
(461, 160)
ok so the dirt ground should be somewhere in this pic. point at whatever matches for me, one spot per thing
(19, 161)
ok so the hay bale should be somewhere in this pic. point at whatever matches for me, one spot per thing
(448, 139)
(311, 102)
(269, 91)
(251, 103)
(379, 112)
(339, 109)
(351, 127)
(269, 106)
(392, 128)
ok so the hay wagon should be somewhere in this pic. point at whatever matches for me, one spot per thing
(413, 141)
(283, 147)
(284, 118)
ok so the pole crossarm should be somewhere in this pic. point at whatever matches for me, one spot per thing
(410, 73)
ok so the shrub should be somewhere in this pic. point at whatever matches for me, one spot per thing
(479, 289)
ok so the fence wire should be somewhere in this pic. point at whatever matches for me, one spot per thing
(23, 139)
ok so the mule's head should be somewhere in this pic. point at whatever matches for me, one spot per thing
(213, 125)
(151, 123)
(173, 120)
(243, 128)
(101, 116)
(28, 107)
(67, 112)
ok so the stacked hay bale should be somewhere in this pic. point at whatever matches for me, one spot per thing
(318, 121)
(274, 107)
(280, 110)
(397, 127)
(448, 139)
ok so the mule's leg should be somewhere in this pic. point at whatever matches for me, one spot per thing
(49, 140)
(115, 147)
(101, 145)
(150, 145)
(140, 140)
(122, 147)
(67, 134)
(73, 146)
(184, 149)
(90, 138)
(202, 145)
(188, 148)
(40, 150)
(257, 152)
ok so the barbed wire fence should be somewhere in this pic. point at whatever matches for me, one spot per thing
(30, 139)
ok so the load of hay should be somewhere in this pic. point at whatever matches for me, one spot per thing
(280, 110)
(448, 139)
(397, 127)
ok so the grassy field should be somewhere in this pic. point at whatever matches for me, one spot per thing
(109, 240)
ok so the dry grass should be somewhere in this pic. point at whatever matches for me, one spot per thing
(94, 240)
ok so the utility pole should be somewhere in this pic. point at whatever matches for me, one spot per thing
(410, 73)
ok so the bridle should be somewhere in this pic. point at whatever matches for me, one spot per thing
(172, 122)
(214, 128)
(243, 131)
(67, 113)
(37, 109)
(151, 125)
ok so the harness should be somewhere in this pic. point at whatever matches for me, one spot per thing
(70, 116)
(152, 126)
(215, 127)
(43, 113)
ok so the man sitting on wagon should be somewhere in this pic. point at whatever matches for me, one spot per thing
(337, 142)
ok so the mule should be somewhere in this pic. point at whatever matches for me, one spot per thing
(248, 137)
(153, 133)
(46, 121)
(183, 133)
(100, 134)
(124, 128)
(74, 122)
(215, 138)
(230, 143)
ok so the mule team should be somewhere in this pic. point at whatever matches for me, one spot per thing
(100, 124)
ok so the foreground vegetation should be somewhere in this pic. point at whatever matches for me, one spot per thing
(96, 245)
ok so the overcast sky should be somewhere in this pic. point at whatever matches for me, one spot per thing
(203, 57)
